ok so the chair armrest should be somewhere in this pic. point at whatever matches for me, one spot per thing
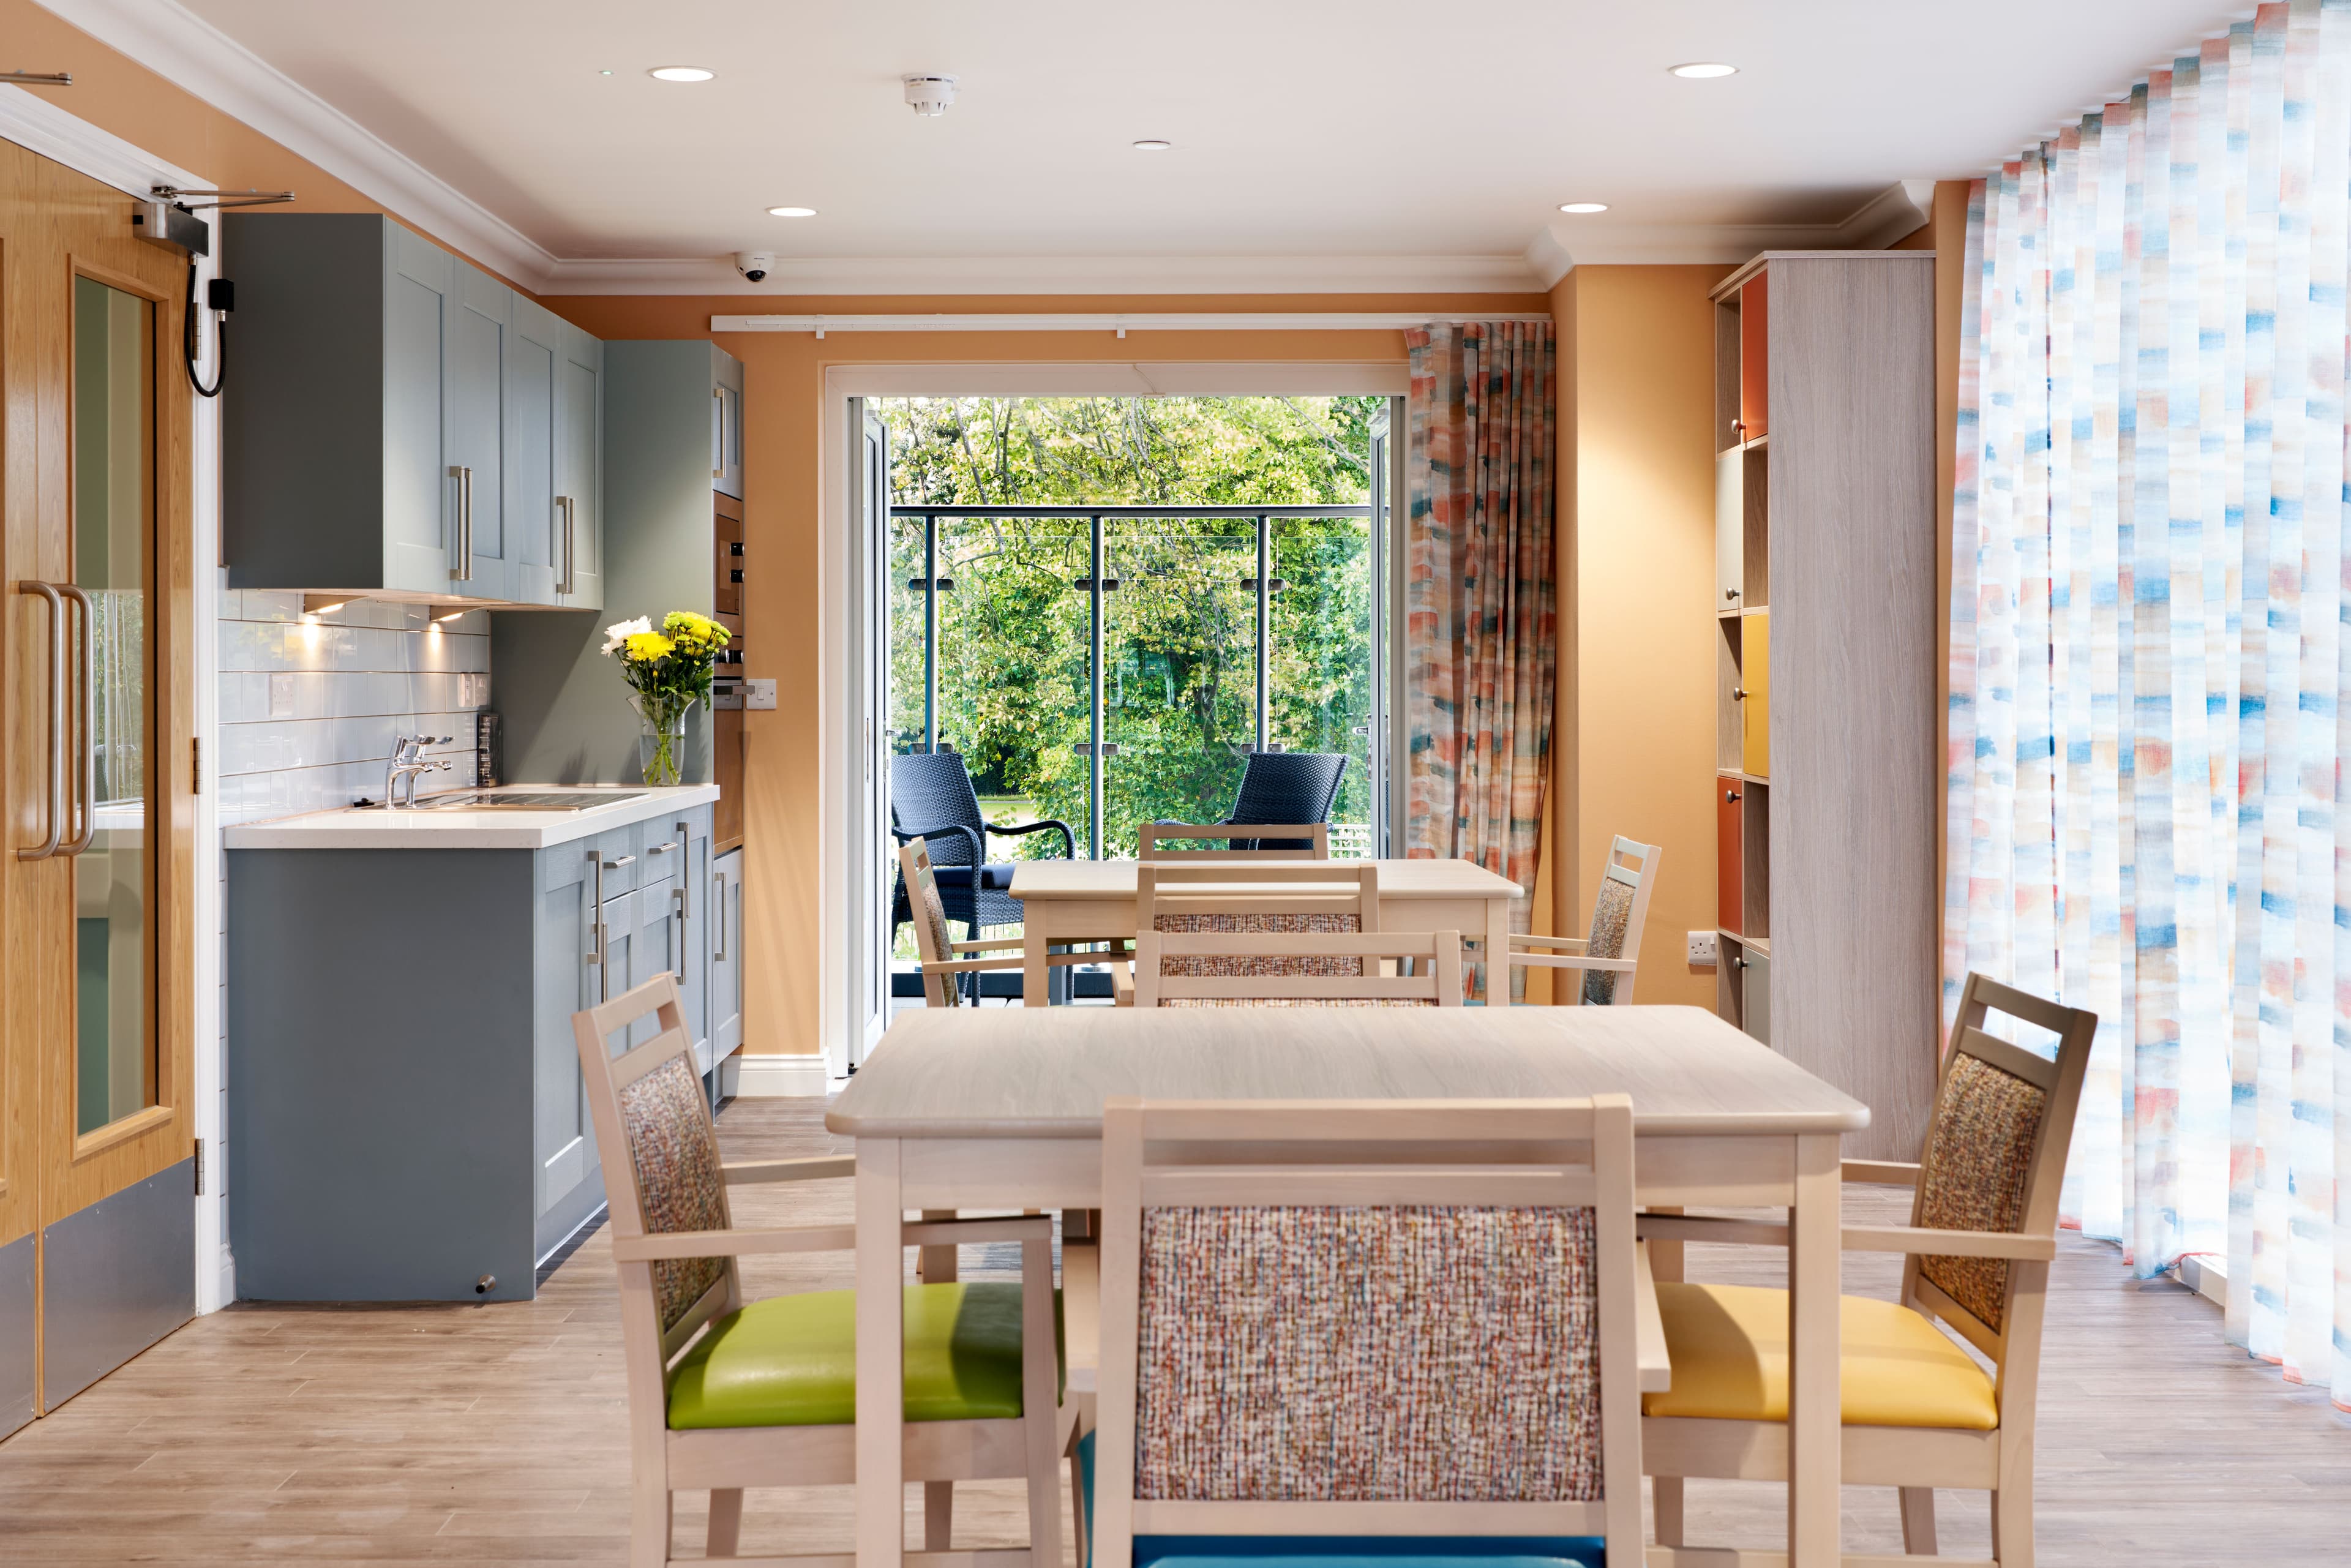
(1906, 1239)
(1121, 985)
(1883, 1173)
(1069, 839)
(1574, 961)
(978, 849)
(815, 1167)
(1657, 1367)
(751, 1243)
(733, 1243)
(995, 944)
(967, 965)
(1566, 943)
(1917, 1240)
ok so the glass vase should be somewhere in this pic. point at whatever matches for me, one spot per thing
(661, 737)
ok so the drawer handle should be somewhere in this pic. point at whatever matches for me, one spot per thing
(662, 849)
(624, 860)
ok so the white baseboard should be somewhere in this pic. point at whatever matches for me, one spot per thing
(2206, 1277)
(779, 1077)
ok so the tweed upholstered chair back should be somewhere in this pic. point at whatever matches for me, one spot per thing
(934, 937)
(1432, 1332)
(660, 1150)
(1995, 1157)
(1618, 913)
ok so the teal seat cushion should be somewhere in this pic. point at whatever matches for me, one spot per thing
(792, 1361)
(1345, 1550)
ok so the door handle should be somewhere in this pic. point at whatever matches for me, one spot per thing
(599, 951)
(718, 903)
(677, 896)
(718, 446)
(87, 808)
(49, 846)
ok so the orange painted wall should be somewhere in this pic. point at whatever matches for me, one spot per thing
(1637, 478)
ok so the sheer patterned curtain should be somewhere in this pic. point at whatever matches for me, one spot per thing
(1481, 629)
(2146, 802)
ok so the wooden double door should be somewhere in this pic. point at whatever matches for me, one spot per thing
(97, 636)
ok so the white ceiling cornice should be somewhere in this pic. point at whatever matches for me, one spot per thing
(192, 54)
(802, 276)
(1885, 218)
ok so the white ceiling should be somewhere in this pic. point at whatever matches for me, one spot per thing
(1379, 141)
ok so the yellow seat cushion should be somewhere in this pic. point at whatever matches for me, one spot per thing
(792, 1361)
(1730, 1350)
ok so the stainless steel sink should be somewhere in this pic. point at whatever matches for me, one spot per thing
(522, 800)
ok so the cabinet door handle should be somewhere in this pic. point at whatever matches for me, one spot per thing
(463, 567)
(564, 521)
(599, 937)
(718, 903)
(1731, 593)
(677, 895)
(48, 845)
(718, 440)
(1729, 795)
(1738, 694)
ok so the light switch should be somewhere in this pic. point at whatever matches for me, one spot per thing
(759, 693)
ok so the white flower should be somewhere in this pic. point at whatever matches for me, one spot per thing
(615, 637)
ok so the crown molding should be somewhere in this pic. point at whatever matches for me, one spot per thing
(35, 123)
(1885, 218)
(802, 275)
(1120, 322)
(192, 54)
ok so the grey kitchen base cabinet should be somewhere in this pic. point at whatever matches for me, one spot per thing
(405, 1094)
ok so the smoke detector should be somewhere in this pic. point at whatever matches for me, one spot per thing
(929, 96)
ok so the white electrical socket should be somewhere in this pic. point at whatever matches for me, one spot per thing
(1702, 950)
(759, 693)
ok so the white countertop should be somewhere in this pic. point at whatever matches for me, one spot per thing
(449, 829)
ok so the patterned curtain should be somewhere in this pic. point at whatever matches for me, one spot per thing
(1481, 629)
(2147, 808)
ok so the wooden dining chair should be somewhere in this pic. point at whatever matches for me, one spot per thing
(1265, 911)
(1215, 841)
(1609, 954)
(1341, 1324)
(1918, 1412)
(945, 960)
(725, 1393)
(1298, 970)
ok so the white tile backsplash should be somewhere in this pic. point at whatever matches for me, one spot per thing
(309, 707)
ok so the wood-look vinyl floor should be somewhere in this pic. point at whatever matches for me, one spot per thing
(494, 1433)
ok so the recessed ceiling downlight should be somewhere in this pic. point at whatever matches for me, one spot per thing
(1153, 144)
(1583, 207)
(1703, 70)
(791, 211)
(680, 73)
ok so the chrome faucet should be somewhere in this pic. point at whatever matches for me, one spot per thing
(406, 762)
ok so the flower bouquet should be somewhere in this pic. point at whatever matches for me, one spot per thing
(668, 672)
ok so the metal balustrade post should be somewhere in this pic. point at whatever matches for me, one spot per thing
(930, 633)
(1094, 702)
(1264, 628)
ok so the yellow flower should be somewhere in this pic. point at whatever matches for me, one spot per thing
(695, 631)
(649, 647)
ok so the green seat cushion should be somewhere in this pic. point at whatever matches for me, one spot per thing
(792, 1361)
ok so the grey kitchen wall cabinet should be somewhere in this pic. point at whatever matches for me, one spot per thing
(555, 465)
(653, 524)
(367, 445)
(409, 1129)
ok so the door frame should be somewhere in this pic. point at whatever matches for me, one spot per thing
(841, 755)
(41, 126)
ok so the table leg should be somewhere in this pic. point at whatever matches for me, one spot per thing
(1498, 952)
(880, 1367)
(1815, 1396)
(1666, 1492)
(1034, 970)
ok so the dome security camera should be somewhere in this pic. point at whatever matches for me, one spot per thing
(755, 264)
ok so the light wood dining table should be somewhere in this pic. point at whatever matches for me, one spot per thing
(1092, 901)
(993, 1108)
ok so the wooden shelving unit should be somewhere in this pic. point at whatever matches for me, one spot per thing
(1826, 779)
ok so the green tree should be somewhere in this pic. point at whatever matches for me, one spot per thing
(1179, 642)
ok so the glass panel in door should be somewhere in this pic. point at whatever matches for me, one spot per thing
(113, 509)
(1320, 678)
(1179, 670)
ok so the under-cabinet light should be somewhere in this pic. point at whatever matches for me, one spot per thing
(324, 603)
(680, 73)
